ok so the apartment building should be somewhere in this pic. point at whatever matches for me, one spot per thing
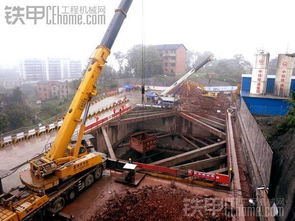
(51, 89)
(173, 58)
(33, 70)
(51, 69)
(54, 69)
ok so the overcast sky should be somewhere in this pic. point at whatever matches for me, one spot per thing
(224, 27)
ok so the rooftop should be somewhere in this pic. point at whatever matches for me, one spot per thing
(170, 46)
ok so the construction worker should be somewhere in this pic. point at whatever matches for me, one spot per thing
(231, 174)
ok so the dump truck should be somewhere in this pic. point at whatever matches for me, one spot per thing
(67, 168)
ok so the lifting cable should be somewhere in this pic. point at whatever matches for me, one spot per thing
(142, 53)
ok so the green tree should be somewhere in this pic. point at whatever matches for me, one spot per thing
(194, 58)
(17, 116)
(107, 78)
(289, 122)
(18, 112)
(120, 58)
(144, 61)
(74, 84)
(16, 97)
(52, 107)
(229, 70)
(4, 123)
(291, 114)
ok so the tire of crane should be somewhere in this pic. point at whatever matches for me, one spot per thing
(89, 180)
(57, 205)
(71, 195)
(98, 172)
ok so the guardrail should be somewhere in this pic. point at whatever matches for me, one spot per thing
(123, 110)
(38, 131)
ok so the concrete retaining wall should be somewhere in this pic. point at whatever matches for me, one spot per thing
(257, 151)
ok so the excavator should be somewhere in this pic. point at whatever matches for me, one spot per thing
(67, 167)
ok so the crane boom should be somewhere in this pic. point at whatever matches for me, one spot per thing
(187, 75)
(87, 86)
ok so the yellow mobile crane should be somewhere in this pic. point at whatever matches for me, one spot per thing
(66, 168)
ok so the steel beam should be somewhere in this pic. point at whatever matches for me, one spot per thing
(210, 141)
(203, 125)
(193, 144)
(108, 143)
(164, 135)
(142, 118)
(222, 121)
(198, 140)
(190, 155)
(202, 164)
(129, 115)
(190, 142)
(209, 121)
(144, 112)
(233, 161)
(221, 170)
(173, 152)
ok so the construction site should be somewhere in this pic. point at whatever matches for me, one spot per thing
(186, 153)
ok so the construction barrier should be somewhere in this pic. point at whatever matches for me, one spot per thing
(31, 133)
(59, 123)
(6, 140)
(19, 137)
(41, 130)
(51, 127)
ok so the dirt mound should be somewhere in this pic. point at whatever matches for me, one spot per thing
(161, 203)
(194, 99)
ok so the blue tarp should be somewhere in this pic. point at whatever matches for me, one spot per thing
(127, 86)
(151, 94)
